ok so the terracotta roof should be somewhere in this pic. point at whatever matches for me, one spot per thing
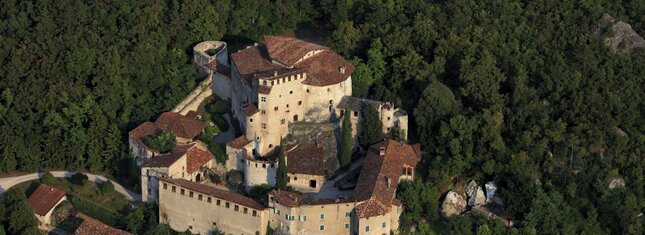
(238, 142)
(357, 104)
(290, 199)
(90, 226)
(165, 160)
(288, 50)
(323, 69)
(196, 158)
(252, 60)
(377, 170)
(264, 89)
(306, 159)
(371, 207)
(45, 198)
(182, 126)
(145, 129)
(215, 192)
(250, 109)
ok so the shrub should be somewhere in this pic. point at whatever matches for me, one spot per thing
(218, 107)
(236, 125)
(162, 142)
(259, 192)
(93, 210)
(48, 178)
(215, 178)
(79, 178)
(211, 130)
(221, 122)
(107, 187)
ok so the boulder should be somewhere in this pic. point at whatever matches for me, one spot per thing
(471, 187)
(616, 182)
(478, 198)
(617, 35)
(491, 188)
(453, 204)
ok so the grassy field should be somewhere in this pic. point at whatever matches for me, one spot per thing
(112, 201)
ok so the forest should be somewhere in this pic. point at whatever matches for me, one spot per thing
(519, 92)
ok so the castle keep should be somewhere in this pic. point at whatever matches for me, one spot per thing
(282, 91)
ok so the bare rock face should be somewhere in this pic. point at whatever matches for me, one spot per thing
(618, 35)
(454, 204)
(616, 182)
(491, 189)
(471, 187)
(478, 198)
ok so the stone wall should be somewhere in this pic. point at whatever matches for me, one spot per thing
(301, 182)
(259, 172)
(202, 58)
(307, 218)
(195, 98)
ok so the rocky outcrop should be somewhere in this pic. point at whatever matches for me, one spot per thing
(453, 204)
(471, 187)
(477, 198)
(491, 188)
(618, 35)
(616, 183)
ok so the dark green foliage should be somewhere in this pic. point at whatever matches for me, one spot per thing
(163, 141)
(79, 178)
(143, 218)
(95, 211)
(347, 142)
(48, 178)
(236, 125)
(217, 150)
(371, 127)
(260, 192)
(218, 107)
(281, 173)
(20, 216)
(107, 187)
(270, 230)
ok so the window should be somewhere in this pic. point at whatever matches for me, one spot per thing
(347, 214)
(199, 197)
(272, 165)
(263, 99)
(275, 108)
(367, 228)
(228, 205)
(264, 165)
(246, 211)
(182, 192)
(295, 178)
(312, 184)
(328, 90)
(190, 227)
(277, 211)
(218, 202)
(287, 105)
(388, 118)
(255, 213)
(388, 129)
(304, 218)
(250, 119)
(209, 200)
(282, 121)
(174, 189)
(165, 186)
(322, 227)
(236, 208)
(322, 216)
(307, 90)
(190, 194)
(384, 224)
(263, 112)
(292, 218)
(264, 126)
(290, 92)
(300, 102)
(331, 101)
(355, 113)
(346, 225)
(149, 191)
(286, 216)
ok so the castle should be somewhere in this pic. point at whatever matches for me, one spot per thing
(283, 89)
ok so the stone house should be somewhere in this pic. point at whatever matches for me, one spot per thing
(44, 199)
(187, 161)
(393, 119)
(186, 129)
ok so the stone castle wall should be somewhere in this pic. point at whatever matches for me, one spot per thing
(259, 172)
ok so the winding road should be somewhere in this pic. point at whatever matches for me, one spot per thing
(8, 182)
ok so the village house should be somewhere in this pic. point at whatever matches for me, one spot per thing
(44, 199)
(185, 128)
(187, 161)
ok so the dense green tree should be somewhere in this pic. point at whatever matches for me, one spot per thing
(344, 39)
(162, 142)
(371, 126)
(48, 179)
(21, 218)
(347, 142)
(281, 178)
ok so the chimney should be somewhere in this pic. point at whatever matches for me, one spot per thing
(342, 70)
(382, 151)
(389, 181)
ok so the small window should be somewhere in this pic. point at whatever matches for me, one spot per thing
(209, 200)
(272, 165)
(388, 129)
(347, 214)
(322, 216)
(277, 211)
(292, 218)
(250, 119)
(218, 202)
(190, 227)
(149, 190)
(300, 102)
(263, 99)
(328, 90)
(331, 101)
(174, 189)
(190, 194)
(388, 118)
(346, 225)
(236, 208)
(290, 92)
(355, 113)
(246, 211)
(199, 197)
(255, 213)
(286, 216)
(149, 178)
(282, 121)
(182, 192)
(384, 224)
(287, 105)
(264, 165)
(307, 90)
(264, 126)
(295, 178)
(263, 112)
(275, 108)
(165, 186)
(367, 228)
(322, 227)
(304, 218)
(228, 205)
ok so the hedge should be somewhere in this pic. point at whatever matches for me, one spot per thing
(95, 211)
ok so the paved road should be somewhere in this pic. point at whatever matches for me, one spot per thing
(6, 183)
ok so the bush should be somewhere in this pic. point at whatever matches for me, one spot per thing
(218, 107)
(211, 130)
(48, 178)
(93, 210)
(162, 142)
(107, 187)
(221, 122)
(215, 178)
(259, 192)
(236, 125)
(79, 178)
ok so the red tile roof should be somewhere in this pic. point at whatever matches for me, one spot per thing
(252, 60)
(377, 170)
(196, 157)
(238, 142)
(306, 159)
(45, 198)
(165, 160)
(290, 199)
(145, 129)
(196, 154)
(323, 69)
(215, 192)
(250, 109)
(288, 50)
(182, 126)
(371, 207)
(91, 226)
(262, 89)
